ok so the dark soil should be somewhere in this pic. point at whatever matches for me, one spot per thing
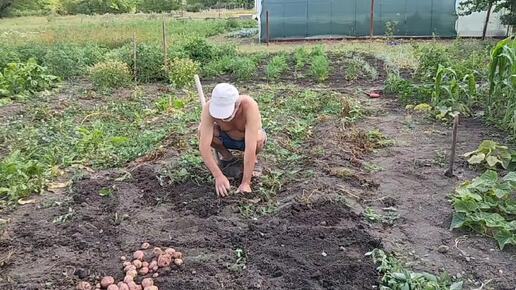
(316, 239)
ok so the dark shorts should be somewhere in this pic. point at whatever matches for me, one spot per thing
(233, 144)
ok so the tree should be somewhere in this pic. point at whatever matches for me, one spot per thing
(507, 6)
(4, 6)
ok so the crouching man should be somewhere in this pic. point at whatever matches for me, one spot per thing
(230, 121)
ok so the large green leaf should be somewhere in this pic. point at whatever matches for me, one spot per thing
(492, 161)
(485, 181)
(465, 205)
(477, 158)
(504, 238)
(458, 220)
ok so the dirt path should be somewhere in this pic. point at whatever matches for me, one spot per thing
(413, 181)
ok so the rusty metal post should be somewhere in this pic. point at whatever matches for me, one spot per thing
(371, 28)
(267, 25)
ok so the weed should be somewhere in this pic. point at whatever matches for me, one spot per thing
(64, 218)
(106, 192)
(441, 158)
(301, 56)
(378, 139)
(357, 67)
(20, 176)
(372, 168)
(240, 261)
(388, 218)
(396, 276)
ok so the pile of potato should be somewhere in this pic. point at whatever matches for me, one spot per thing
(160, 259)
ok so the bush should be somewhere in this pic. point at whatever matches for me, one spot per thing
(181, 72)
(20, 79)
(149, 60)
(65, 61)
(276, 67)
(8, 55)
(357, 67)
(158, 6)
(198, 49)
(110, 74)
(301, 55)
(194, 7)
(32, 50)
(232, 23)
(320, 67)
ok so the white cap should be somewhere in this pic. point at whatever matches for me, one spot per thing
(223, 98)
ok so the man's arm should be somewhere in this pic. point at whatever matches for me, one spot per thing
(205, 138)
(253, 125)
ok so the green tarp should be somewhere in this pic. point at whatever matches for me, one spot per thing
(351, 18)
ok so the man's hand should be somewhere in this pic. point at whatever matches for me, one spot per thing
(222, 185)
(244, 188)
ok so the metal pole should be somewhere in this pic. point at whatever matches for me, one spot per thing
(165, 58)
(267, 26)
(134, 56)
(371, 27)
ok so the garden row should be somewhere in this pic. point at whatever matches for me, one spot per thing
(448, 82)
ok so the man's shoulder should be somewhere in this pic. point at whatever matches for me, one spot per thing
(248, 100)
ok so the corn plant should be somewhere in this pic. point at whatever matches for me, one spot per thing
(501, 102)
(454, 93)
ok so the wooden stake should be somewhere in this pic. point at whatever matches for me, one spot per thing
(371, 27)
(200, 92)
(165, 57)
(449, 172)
(134, 57)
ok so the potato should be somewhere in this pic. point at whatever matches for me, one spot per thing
(128, 279)
(157, 251)
(126, 263)
(164, 260)
(130, 267)
(145, 264)
(144, 271)
(151, 288)
(177, 255)
(132, 273)
(132, 286)
(155, 275)
(137, 264)
(145, 246)
(139, 255)
(147, 282)
(153, 264)
(112, 287)
(106, 281)
(178, 262)
(83, 286)
(123, 258)
(123, 286)
(169, 251)
(155, 268)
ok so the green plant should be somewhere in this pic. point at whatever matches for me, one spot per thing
(240, 261)
(170, 103)
(243, 68)
(320, 67)
(110, 74)
(181, 72)
(301, 55)
(106, 192)
(396, 276)
(20, 176)
(21, 79)
(493, 154)
(430, 57)
(391, 28)
(357, 67)
(501, 101)
(487, 205)
(378, 139)
(276, 67)
(199, 50)
(451, 92)
(65, 60)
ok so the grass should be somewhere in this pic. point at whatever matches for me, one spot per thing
(109, 30)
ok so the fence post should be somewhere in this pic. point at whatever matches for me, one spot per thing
(267, 25)
(165, 57)
(134, 57)
(371, 27)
